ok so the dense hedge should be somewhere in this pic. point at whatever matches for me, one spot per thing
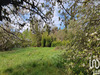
(48, 41)
(59, 43)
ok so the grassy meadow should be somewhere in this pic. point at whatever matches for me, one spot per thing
(31, 61)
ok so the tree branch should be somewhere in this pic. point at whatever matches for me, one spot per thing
(10, 33)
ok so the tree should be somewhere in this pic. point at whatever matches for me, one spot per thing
(70, 11)
(7, 40)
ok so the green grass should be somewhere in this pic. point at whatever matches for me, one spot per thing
(31, 61)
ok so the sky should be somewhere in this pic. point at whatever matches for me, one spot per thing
(55, 18)
(22, 18)
(27, 15)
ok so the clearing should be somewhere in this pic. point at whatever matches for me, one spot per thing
(31, 61)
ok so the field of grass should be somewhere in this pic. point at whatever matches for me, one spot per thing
(31, 61)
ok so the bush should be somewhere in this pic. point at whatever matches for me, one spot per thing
(48, 41)
(23, 43)
(6, 46)
(59, 43)
(26, 44)
(36, 40)
(56, 43)
(43, 41)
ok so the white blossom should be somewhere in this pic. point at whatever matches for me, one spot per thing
(86, 34)
(89, 40)
(93, 33)
(98, 39)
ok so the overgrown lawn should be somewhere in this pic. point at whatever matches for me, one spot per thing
(32, 61)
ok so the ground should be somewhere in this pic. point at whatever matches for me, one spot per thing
(31, 61)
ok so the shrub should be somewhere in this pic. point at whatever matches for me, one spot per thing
(65, 42)
(48, 41)
(26, 44)
(59, 43)
(56, 43)
(43, 41)
(36, 40)
(6, 46)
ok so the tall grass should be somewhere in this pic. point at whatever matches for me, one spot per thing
(31, 61)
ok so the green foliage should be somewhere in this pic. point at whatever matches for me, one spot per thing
(59, 43)
(26, 44)
(26, 34)
(7, 46)
(82, 33)
(48, 41)
(54, 43)
(76, 63)
(43, 41)
(6, 40)
(36, 40)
